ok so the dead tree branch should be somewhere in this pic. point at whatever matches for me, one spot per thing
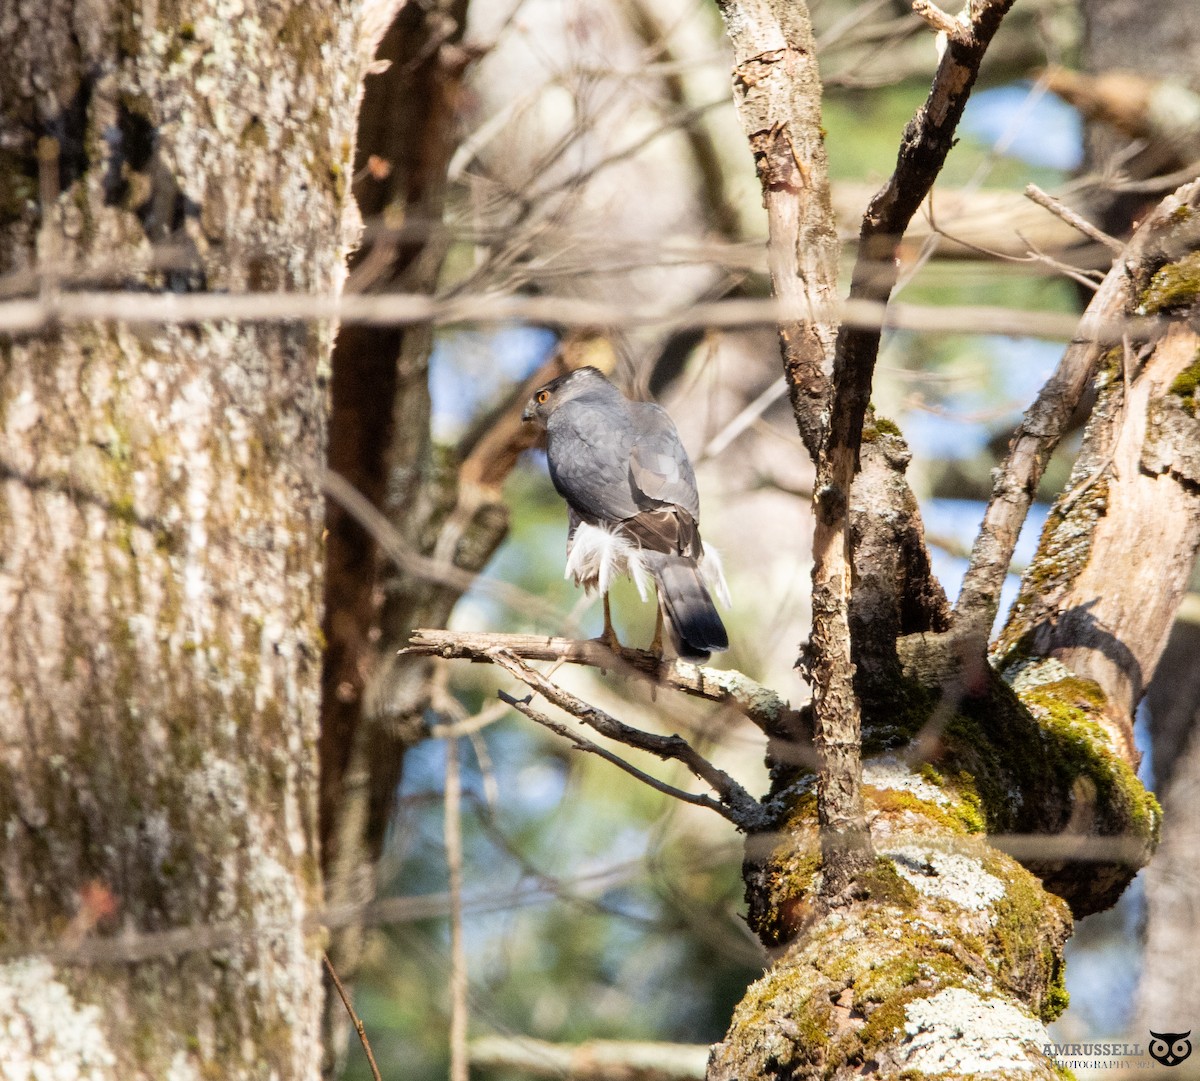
(1073, 218)
(777, 94)
(595, 1060)
(1016, 482)
(22, 318)
(354, 1018)
(733, 802)
(1092, 600)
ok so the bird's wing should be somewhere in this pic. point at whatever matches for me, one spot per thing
(664, 485)
(658, 464)
(588, 445)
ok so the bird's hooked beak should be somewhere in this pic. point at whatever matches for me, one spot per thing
(528, 414)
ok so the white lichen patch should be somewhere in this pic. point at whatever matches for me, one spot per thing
(183, 1068)
(1037, 672)
(951, 876)
(957, 1033)
(890, 772)
(44, 1032)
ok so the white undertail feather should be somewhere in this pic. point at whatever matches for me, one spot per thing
(712, 570)
(596, 556)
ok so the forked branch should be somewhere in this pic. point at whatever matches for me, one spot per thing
(733, 801)
(836, 709)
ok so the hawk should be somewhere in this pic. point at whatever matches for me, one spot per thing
(632, 506)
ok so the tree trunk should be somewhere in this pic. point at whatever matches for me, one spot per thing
(945, 955)
(161, 527)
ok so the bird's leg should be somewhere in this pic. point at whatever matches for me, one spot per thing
(609, 637)
(656, 646)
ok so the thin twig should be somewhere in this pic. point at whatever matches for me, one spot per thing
(443, 572)
(459, 1063)
(133, 948)
(744, 419)
(584, 744)
(32, 315)
(1073, 219)
(1042, 426)
(358, 1025)
(736, 803)
(941, 22)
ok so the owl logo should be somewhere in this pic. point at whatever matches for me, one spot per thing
(1170, 1048)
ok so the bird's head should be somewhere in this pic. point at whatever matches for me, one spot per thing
(550, 396)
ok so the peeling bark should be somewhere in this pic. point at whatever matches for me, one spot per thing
(160, 525)
(777, 92)
(1091, 599)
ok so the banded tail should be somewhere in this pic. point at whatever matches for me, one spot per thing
(691, 617)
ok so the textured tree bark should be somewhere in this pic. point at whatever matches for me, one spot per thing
(1149, 41)
(1092, 600)
(777, 92)
(160, 523)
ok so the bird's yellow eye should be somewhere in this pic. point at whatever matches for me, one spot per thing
(543, 396)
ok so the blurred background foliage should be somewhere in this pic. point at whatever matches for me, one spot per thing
(596, 907)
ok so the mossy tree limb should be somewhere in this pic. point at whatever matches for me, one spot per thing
(948, 960)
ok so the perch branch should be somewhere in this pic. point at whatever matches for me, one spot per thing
(757, 703)
(734, 803)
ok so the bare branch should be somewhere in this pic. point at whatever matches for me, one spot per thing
(459, 1063)
(596, 1060)
(443, 572)
(1119, 546)
(33, 315)
(736, 803)
(927, 141)
(584, 744)
(777, 94)
(761, 705)
(941, 22)
(354, 1018)
(1075, 220)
